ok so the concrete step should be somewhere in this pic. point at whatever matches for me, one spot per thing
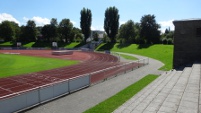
(147, 94)
(172, 92)
(190, 98)
(172, 100)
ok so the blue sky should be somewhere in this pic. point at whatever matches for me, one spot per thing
(41, 11)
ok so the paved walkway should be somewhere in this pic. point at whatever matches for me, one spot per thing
(89, 97)
(172, 92)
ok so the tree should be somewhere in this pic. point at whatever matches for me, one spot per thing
(137, 28)
(17, 31)
(127, 32)
(22, 37)
(29, 32)
(85, 22)
(6, 31)
(106, 39)
(167, 31)
(65, 29)
(111, 22)
(95, 36)
(54, 22)
(76, 34)
(48, 32)
(150, 29)
(167, 37)
(9, 31)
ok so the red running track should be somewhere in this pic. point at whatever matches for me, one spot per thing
(90, 62)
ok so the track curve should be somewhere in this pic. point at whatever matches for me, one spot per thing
(89, 62)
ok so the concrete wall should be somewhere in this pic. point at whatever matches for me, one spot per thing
(42, 94)
(187, 45)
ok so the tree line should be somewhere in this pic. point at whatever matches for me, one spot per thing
(62, 31)
(145, 32)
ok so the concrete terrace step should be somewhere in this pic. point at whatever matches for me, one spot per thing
(172, 92)
(147, 94)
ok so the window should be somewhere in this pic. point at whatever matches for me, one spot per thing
(198, 32)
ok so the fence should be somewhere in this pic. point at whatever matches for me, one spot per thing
(104, 74)
(27, 99)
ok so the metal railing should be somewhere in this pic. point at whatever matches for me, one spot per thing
(104, 74)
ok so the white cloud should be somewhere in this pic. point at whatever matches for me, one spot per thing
(5, 16)
(38, 20)
(166, 24)
(41, 21)
(25, 18)
(73, 22)
(122, 22)
(93, 28)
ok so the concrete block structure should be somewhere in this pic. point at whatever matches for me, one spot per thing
(187, 42)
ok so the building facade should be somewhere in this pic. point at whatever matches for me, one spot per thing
(187, 42)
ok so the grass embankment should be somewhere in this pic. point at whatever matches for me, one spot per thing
(112, 103)
(11, 65)
(49, 45)
(128, 57)
(163, 53)
(6, 44)
(42, 44)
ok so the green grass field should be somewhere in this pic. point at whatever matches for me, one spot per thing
(163, 53)
(12, 65)
(112, 103)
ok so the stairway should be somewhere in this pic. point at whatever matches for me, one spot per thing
(172, 92)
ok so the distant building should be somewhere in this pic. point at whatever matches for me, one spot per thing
(187, 42)
(100, 34)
